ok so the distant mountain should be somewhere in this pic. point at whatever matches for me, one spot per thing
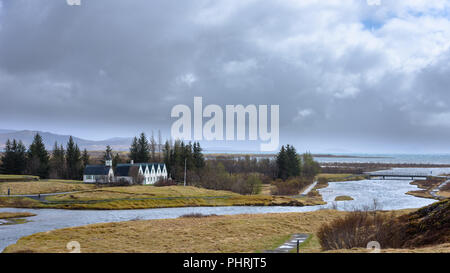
(26, 136)
(4, 131)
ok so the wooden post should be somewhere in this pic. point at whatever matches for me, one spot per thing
(298, 246)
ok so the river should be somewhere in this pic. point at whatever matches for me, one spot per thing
(390, 195)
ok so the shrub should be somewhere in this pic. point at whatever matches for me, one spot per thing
(289, 187)
(359, 228)
(250, 184)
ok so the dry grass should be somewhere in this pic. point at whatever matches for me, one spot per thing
(41, 187)
(445, 194)
(231, 234)
(141, 197)
(16, 178)
(421, 194)
(340, 177)
(237, 233)
(343, 198)
(9, 215)
(426, 186)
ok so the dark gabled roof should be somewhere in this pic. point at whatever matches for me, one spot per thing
(96, 170)
(123, 169)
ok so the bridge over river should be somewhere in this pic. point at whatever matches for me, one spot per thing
(403, 173)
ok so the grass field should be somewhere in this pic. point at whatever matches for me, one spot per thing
(237, 233)
(43, 186)
(232, 234)
(89, 196)
(141, 197)
(14, 178)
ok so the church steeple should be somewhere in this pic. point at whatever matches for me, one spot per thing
(108, 159)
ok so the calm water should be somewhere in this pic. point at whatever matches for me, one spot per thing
(390, 158)
(389, 193)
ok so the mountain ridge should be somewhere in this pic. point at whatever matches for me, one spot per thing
(49, 139)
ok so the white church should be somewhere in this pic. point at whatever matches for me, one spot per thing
(147, 173)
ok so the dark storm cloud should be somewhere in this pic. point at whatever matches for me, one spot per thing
(115, 68)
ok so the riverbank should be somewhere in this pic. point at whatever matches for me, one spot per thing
(431, 188)
(43, 186)
(232, 234)
(213, 234)
(14, 218)
(144, 197)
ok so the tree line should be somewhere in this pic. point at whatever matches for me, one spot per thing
(63, 163)
(288, 171)
(174, 154)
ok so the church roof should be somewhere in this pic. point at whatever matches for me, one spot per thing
(96, 170)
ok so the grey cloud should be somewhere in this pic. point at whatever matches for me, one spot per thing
(113, 68)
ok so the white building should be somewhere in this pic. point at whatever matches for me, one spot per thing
(99, 173)
(148, 172)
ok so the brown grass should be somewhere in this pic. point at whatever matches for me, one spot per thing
(343, 198)
(426, 186)
(9, 215)
(41, 187)
(236, 233)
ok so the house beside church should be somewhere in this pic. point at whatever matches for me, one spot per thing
(140, 173)
(149, 173)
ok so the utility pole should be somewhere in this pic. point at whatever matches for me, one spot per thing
(185, 172)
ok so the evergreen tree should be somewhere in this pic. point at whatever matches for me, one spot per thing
(73, 161)
(117, 159)
(167, 157)
(38, 158)
(143, 154)
(288, 162)
(14, 160)
(85, 158)
(57, 162)
(282, 165)
(134, 150)
(293, 163)
(199, 160)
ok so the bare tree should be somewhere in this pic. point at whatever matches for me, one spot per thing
(159, 145)
(153, 148)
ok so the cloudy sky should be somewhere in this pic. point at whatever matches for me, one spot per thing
(349, 75)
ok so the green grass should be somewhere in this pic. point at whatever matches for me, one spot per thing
(310, 245)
